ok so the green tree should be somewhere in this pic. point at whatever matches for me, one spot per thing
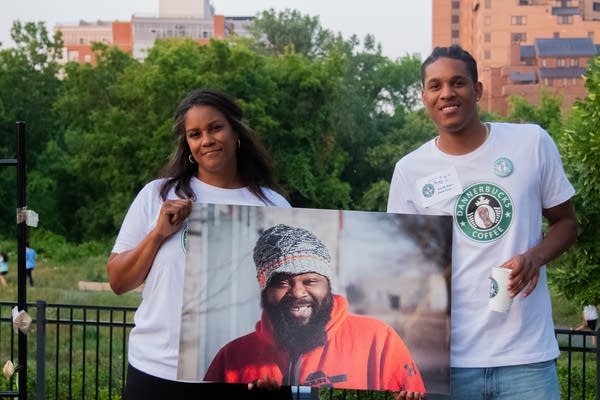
(29, 85)
(276, 33)
(94, 147)
(549, 114)
(301, 135)
(577, 276)
(377, 97)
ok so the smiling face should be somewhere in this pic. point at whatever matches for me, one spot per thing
(213, 145)
(299, 297)
(299, 307)
(450, 95)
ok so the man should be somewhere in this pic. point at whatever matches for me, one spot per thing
(497, 180)
(306, 335)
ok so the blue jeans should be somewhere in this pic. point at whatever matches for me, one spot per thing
(537, 381)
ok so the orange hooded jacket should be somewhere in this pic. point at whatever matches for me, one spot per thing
(361, 353)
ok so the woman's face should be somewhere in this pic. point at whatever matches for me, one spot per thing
(213, 144)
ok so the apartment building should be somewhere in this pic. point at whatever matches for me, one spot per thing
(194, 19)
(522, 47)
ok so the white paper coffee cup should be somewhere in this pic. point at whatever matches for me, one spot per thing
(499, 300)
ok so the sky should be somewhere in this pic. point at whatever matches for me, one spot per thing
(402, 27)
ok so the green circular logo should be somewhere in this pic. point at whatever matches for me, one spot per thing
(484, 212)
(493, 288)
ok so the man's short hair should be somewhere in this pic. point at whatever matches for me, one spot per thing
(455, 52)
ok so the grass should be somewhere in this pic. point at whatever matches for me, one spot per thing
(57, 282)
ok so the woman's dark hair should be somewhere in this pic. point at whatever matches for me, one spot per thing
(456, 52)
(254, 164)
(4, 256)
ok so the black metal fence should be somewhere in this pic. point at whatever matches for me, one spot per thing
(80, 352)
(579, 363)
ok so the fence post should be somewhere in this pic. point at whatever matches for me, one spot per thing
(41, 349)
(21, 272)
(597, 335)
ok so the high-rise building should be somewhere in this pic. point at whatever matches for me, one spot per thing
(522, 47)
(194, 19)
(78, 38)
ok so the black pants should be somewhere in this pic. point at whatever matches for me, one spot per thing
(141, 386)
(591, 323)
(30, 276)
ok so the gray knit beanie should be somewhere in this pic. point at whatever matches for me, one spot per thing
(285, 249)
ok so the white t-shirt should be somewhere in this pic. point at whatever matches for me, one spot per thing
(590, 312)
(154, 341)
(497, 211)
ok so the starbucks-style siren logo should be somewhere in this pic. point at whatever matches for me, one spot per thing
(484, 212)
(428, 190)
(503, 167)
(493, 288)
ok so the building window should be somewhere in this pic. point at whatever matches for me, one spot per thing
(456, 4)
(523, 2)
(544, 62)
(555, 35)
(487, 54)
(518, 20)
(455, 27)
(574, 62)
(81, 41)
(455, 34)
(596, 6)
(564, 19)
(455, 11)
(591, 35)
(487, 37)
(518, 37)
(487, 4)
(87, 58)
(561, 62)
(455, 19)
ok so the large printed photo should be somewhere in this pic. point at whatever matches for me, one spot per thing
(313, 297)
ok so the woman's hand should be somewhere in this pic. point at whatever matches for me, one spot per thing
(128, 270)
(172, 215)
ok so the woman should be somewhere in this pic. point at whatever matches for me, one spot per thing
(218, 159)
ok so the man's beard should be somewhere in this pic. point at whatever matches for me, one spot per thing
(296, 338)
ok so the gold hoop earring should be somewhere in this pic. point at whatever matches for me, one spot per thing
(239, 143)
(191, 159)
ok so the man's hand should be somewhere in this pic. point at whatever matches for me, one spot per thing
(265, 383)
(525, 272)
(404, 395)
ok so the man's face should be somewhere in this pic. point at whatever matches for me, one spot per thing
(450, 95)
(298, 297)
(299, 307)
